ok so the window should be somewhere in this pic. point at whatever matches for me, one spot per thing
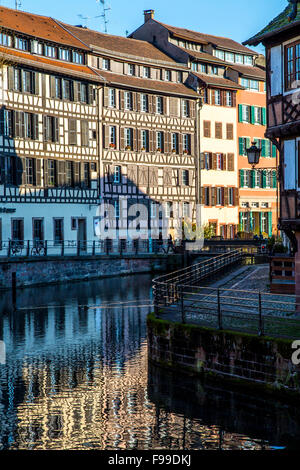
(128, 101)
(131, 69)
(169, 209)
(228, 98)
(185, 108)
(229, 57)
(230, 197)
(117, 209)
(206, 196)
(185, 177)
(112, 98)
(50, 51)
(159, 141)
(265, 205)
(168, 75)
(214, 70)
(52, 173)
(82, 89)
(64, 54)
(117, 174)
(217, 96)
(26, 125)
(146, 72)
(29, 171)
(38, 229)
(112, 136)
(22, 44)
(219, 192)
(159, 105)
(219, 161)
(144, 103)
(203, 68)
(153, 210)
(23, 80)
(8, 123)
(84, 133)
(77, 57)
(187, 143)
(244, 143)
(254, 85)
(58, 229)
(195, 66)
(145, 140)
(128, 132)
(17, 230)
(179, 77)
(186, 209)
(248, 60)
(174, 142)
(207, 161)
(239, 59)
(229, 131)
(5, 39)
(105, 64)
(219, 54)
(67, 89)
(86, 175)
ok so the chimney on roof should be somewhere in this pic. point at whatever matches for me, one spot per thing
(149, 15)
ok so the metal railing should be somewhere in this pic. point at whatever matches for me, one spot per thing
(43, 248)
(180, 297)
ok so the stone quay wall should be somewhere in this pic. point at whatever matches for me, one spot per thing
(55, 270)
(243, 359)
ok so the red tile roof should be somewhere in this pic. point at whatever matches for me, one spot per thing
(216, 81)
(119, 44)
(224, 43)
(148, 84)
(248, 71)
(37, 26)
(47, 64)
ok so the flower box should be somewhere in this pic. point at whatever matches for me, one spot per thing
(128, 147)
(113, 146)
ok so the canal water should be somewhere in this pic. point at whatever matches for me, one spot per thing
(78, 378)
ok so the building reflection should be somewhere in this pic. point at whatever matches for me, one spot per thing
(78, 378)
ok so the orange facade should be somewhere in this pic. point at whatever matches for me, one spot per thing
(258, 212)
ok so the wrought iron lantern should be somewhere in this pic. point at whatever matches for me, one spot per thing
(253, 154)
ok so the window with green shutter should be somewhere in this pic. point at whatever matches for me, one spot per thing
(274, 179)
(274, 151)
(241, 146)
(263, 148)
(263, 116)
(240, 113)
(242, 178)
(264, 178)
(252, 113)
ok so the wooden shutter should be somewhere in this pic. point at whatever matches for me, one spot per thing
(180, 143)
(135, 139)
(143, 176)
(10, 78)
(106, 136)
(134, 102)
(38, 172)
(77, 174)
(35, 126)
(207, 128)
(192, 106)
(214, 161)
(55, 129)
(229, 131)
(105, 97)
(218, 129)
(52, 87)
(164, 110)
(132, 174)
(230, 162)
(61, 173)
(233, 95)
(36, 82)
(236, 196)
(72, 132)
(167, 176)
(90, 94)
(213, 196)
(226, 196)
(122, 138)
(153, 176)
(138, 102)
(202, 161)
(122, 100)
(224, 161)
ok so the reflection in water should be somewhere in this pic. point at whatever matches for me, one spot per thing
(77, 378)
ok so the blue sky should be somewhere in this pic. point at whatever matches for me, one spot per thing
(237, 19)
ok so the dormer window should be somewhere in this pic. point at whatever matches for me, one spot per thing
(77, 57)
(5, 40)
(64, 54)
(248, 60)
(194, 66)
(105, 64)
(50, 51)
(179, 77)
(229, 57)
(131, 69)
(21, 43)
(168, 75)
(219, 54)
(214, 70)
(239, 59)
(146, 72)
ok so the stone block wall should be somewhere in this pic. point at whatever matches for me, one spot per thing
(239, 357)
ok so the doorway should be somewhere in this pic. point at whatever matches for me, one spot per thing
(81, 234)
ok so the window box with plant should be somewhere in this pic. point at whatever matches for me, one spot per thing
(128, 147)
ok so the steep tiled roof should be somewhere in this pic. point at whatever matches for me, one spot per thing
(203, 56)
(278, 24)
(216, 81)
(118, 44)
(147, 84)
(11, 55)
(201, 38)
(247, 71)
(37, 26)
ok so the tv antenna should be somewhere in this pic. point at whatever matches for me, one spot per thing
(105, 20)
(18, 4)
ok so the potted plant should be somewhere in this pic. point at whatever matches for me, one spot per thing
(112, 145)
(127, 147)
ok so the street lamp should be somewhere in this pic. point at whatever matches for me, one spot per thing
(253, 154)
